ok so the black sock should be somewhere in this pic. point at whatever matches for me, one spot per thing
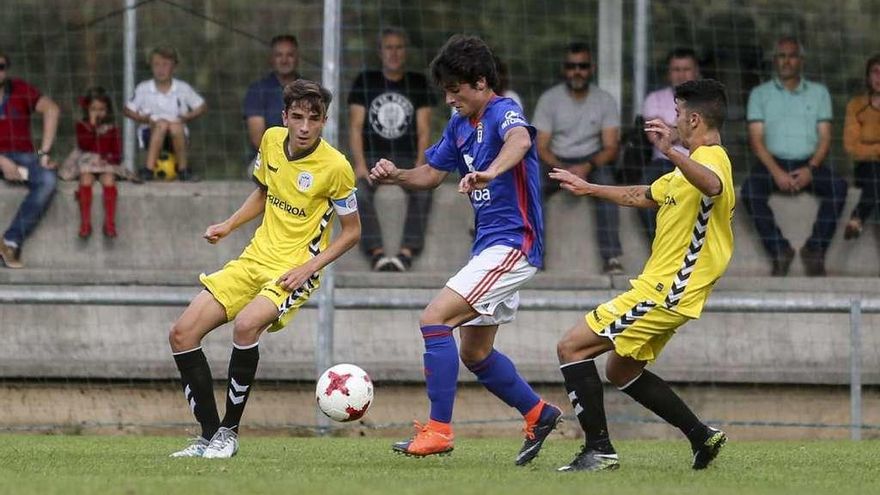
(652, 392)
(242, 368)
(198, 387)
(586, 393)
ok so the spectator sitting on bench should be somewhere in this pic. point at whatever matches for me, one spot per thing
(163, 105)
(97, 154)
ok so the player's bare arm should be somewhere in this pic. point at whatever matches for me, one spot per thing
(700, 176)
(252, 207)
(632, 196)
(421, 177)
(517, 142)
(347, 239)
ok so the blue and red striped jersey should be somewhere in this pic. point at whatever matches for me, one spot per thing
(508, 212)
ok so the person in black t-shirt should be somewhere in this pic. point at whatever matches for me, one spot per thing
(389, 117)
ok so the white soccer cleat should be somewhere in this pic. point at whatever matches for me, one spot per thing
(196, 448)
(223, 445)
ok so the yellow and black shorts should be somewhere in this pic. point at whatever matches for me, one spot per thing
(241, 280)
(638, 326)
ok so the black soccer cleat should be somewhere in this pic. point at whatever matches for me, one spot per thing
(537, 432)
(705, 453)
(592, 460)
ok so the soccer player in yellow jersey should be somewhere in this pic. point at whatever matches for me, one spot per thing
(691, 250)
(302, 182)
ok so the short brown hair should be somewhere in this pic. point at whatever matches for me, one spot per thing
(312, 94)
(165, 51)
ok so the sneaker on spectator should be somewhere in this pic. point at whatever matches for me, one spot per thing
(853, 229)
(187, 176)
(782, 262)
(613, 266)
(814, 261)
(144, 174)
(10, 256)
(381, 263)
(402, 262)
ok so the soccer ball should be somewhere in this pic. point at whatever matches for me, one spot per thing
(344, 392)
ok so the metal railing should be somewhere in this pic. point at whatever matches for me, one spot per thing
(328, 301)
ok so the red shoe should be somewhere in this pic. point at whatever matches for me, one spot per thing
(434, 438)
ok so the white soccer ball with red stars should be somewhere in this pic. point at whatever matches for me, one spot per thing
(344, 392)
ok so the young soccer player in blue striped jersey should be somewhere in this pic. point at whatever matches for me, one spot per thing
(489, 142)
(691, 250)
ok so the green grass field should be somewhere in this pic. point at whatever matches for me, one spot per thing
(139, 465)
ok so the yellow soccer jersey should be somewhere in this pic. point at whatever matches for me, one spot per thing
(301, 197)
(694, 239)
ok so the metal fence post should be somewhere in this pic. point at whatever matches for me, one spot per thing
(855, 369)
(326, 303)
(129, 60)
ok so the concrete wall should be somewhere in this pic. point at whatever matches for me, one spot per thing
(161, 227)
(160, 249)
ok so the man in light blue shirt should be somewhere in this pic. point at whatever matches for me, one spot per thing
(790, 134)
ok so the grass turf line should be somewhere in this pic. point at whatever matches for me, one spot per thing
(139, 465)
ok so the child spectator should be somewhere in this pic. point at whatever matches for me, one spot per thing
(162, 106)
(861, 138)
(97, 153)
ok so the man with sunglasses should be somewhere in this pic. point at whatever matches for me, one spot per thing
(578, 130)
(19, 162)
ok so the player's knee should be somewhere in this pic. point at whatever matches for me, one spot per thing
(472, 356)
(179, 338)
(568, 349)
(246, 331)
(616, 376)
(430, 317)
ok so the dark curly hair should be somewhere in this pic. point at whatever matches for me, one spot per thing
(464, 59)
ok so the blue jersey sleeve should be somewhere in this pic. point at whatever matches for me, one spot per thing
(509, 115)
(444, 154)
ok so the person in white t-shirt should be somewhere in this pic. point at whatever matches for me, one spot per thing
(163, 105)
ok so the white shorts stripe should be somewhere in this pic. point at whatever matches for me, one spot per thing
(490, 283)
(493, 276)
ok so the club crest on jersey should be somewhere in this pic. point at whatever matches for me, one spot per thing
(480, 132)
(304, 181)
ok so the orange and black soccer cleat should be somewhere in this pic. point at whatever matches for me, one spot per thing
(540, 421)
(434, 438)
